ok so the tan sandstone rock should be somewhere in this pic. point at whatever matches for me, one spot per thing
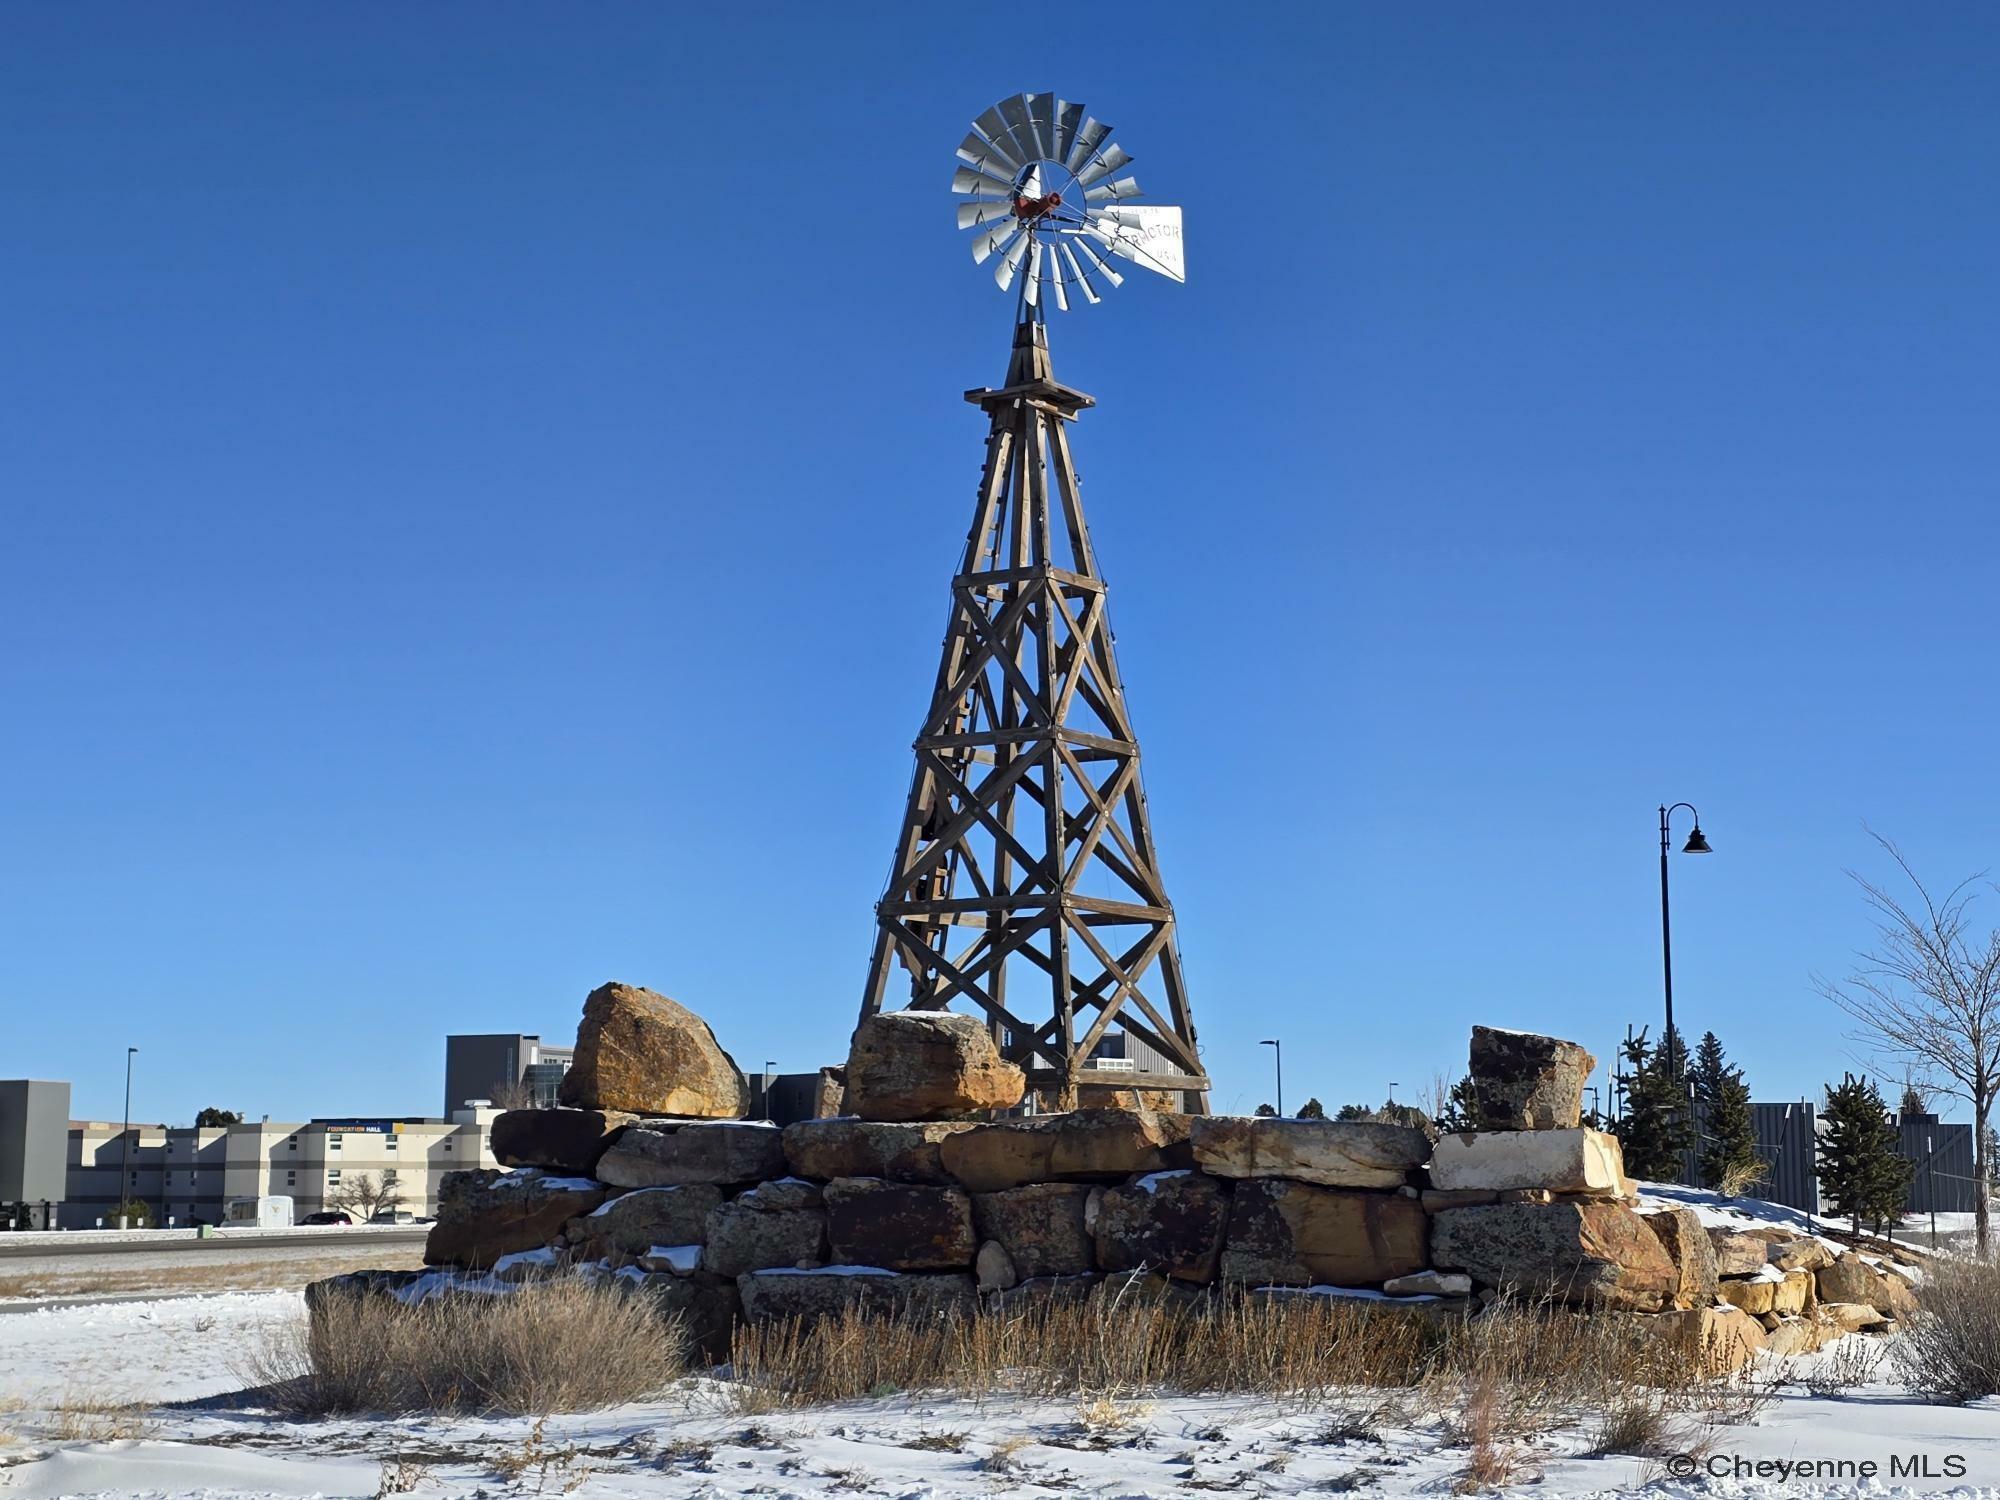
(633, 1223)
(1084, 1145)
(1330, 1153)
(928, 1065)
(560, 1140)
(1738, 1254)
(1800, 1255)
(1721, 1339)
(1579, 1161)
(1284, 1233)
(1692, 1252)
(484, 1215)
(831, 1290)
(1755, 1295)
(1528, 1082)
(1597, 1254)
(899, 1151)
(774, 1224)
(1850, 1317)
(639, 1051)
(662, 1154)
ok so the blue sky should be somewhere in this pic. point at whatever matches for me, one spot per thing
(480, 483)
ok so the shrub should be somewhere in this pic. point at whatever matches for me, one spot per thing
(1949, 1352)
(556, 1346)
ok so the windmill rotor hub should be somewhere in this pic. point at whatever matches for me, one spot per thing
(1042, 196)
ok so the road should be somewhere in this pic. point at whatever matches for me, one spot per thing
(46, 1267)
(18, 1248)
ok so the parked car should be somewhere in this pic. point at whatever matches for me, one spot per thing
(328, 1216)
(393, 1216)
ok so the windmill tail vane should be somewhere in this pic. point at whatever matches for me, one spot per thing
(1025, 883)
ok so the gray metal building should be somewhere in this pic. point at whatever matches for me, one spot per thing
(34, 1151)
(476, 1066)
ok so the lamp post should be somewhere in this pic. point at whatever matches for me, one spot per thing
(1278, 1058)
(125, 1172)
(1696, 844)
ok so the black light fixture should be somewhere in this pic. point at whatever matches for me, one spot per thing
(1696, 844)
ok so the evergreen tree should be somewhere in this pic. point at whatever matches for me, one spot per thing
(1914, 1102)
(1312, 1109)
(1863, 1173)
(1729, 1159)
(212, 1118)
(1265, 1112)
(1655, 1130)
(1461, 1108)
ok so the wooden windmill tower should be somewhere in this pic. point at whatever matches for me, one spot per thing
(1025, 881)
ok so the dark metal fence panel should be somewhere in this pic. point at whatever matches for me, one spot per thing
(1944, 1179)
(1787, 1137)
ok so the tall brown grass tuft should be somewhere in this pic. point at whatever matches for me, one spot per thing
(558, 1346)
(1950, 1351)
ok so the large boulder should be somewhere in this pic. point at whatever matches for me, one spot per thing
(1687, 1244)
(928, 1065)
(1557, 1161)
(1717, 1341)
(722, 1151)
(899, 1226)
(1332, 1153)
(1043, 1227)
(832, 1290)
(484, 1215)
(1850, 1317)
(1528, 1082)
(633, 1223)
(705, 1306)
(1802, 1254)
(1170, 1222)
(1284, 1233)
(637, 1050)
(1849, 1278)
(1738, 1254)
(1085, 1145)
(1593, 1253)
(774, 1224)
(562, 1140)
(899, 1151)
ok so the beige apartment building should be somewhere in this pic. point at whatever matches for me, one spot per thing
(188, 1174)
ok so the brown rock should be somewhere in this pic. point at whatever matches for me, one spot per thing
(1757, 1295)
(1846, 1279)
(1894, 1296)
(1284, 1233)
(1081, 1146)
(1800, 1255)
(1599, 1254)
(1041, 1226)
(1528, 1082)
(662, 1155)
(900, 1152)
(1738, 1254)
(830, 1095)
(1850, 1317)
(562, 1140)
(775, 1224)
(637, 1050)
(1102, 1096)
(1330, 1153)
(1170, 1222)
(705, 1306)
(899, 1226)
(1721, 1340)
(486, 1214)
(1790, 1336)
(1580, 1161)
(632, 1223)
(1687, 1244)
(928, 1065)
(831, 1290)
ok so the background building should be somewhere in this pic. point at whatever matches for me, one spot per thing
(188, 1174)
(493, 1066)
(34, 1120)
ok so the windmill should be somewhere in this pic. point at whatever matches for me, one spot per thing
(1026, 852)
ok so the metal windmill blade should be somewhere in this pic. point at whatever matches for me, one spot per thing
(1041, 195)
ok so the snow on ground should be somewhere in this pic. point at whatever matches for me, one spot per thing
(694, 1442)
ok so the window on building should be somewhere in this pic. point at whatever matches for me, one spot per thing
(333, 1143)
(292, 1144)
(388, 1176)
(389, 1142)
(291, 1179)
(333, 1176)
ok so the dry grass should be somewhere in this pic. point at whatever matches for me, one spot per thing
(562, 1346)
(1841, 1366)
(1950, 1351)
(80, 1418)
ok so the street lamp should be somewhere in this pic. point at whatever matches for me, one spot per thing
(1278, 1058)
(1696, 844)
(125, 1172)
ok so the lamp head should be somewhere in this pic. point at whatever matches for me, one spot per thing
(1268, 1042)
(1696, 844)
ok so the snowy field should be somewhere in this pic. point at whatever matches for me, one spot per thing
(66, 1372)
